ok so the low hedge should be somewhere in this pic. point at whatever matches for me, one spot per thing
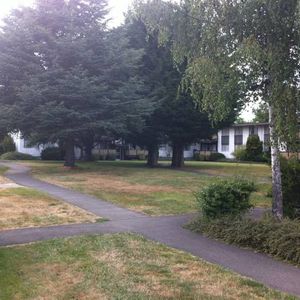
(214, 156)
(52, 153)
(279, 239)
(17, 156)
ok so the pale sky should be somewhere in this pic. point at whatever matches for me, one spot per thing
(118, 8)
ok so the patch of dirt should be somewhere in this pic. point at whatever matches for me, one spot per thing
(19, 211)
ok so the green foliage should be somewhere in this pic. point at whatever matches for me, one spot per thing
(17, 156)
(217, 156)
(252, 152)
(291, 187)
(280, 239)
(65, 76)
(240, 154)
(225, 197)
(211, 157)
(254, 148)
(176, 118)
(7, 145)
(52, 153)
(261, 114)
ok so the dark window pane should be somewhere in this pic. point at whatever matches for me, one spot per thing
(225, 140)
(238, 140)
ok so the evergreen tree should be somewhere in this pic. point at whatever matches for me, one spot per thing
(64, 76)
(176, 118)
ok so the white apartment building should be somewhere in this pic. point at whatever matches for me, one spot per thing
(227, 140)
(236, 136)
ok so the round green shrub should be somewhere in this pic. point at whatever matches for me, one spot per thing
(52, 153)
(7, 145)
(17, 156)
(225, 197)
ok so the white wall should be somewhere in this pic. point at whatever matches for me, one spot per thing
(165, 151)
(246, 133)
(21, 147)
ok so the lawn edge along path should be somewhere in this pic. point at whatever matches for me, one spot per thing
(166, 230)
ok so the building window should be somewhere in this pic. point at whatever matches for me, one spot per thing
(225, 140)
(238, 136)
(253, 130)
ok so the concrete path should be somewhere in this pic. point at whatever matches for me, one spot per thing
(167, 230)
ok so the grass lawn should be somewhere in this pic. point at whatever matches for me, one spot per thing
(158, 191)
(22, 207)
(3, 180)
(120, 266)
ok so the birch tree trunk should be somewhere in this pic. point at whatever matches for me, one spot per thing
(277, 204)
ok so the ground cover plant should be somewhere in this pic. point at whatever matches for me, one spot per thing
(279, 239)
(155, 191)
(119, 266)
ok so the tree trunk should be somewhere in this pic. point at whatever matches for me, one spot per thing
(277, 205)
(153, 155)
(70, 153)
(88, 153)
(178, 156)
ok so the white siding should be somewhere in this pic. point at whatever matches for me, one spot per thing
(246, 132)
(21, 147)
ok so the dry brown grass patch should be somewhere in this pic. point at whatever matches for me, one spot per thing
(106, 183)
(23, 211)
(114, 258)
(155, 287)
(211, 282)
(4, 180)
(55, 280)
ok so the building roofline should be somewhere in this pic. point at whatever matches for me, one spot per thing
(250, 124)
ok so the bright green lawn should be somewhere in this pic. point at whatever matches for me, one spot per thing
(120, 266)
(157, 191)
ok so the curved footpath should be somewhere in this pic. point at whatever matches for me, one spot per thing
(167, 230)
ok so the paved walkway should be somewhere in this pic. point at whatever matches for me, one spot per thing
(167, 230)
